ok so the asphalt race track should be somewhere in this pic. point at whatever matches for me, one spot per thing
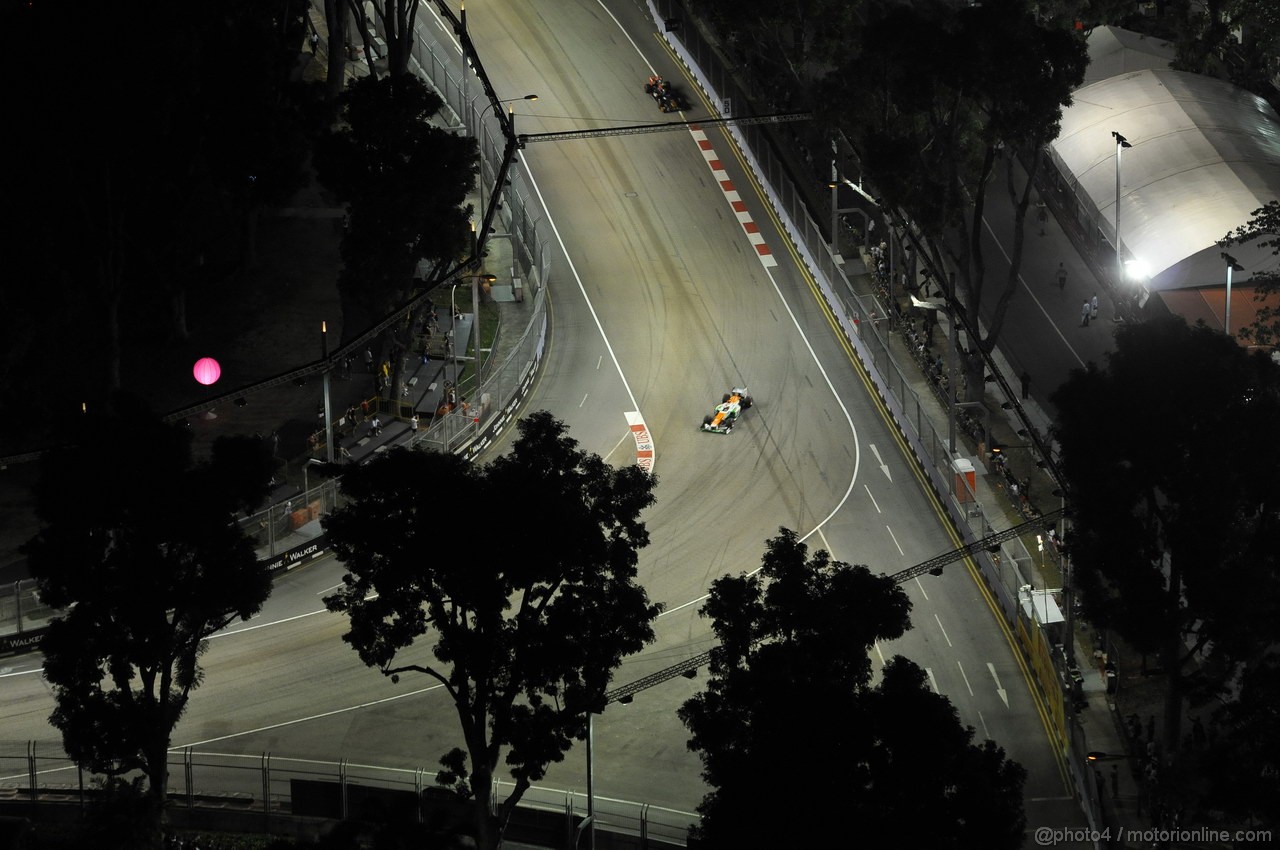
(659, 304)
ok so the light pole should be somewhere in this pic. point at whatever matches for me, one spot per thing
(1232, 265)
(484, 140)
(1121, 144)
(328, 419)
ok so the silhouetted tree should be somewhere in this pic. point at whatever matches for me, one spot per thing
(397, 19)
(1170, 454)
(145, 564)
(526, 623)
(885, 758)
(1236, 764)
(133, 175)
(786, 44)
(1263, 229)
(937, 99)
(406, 184)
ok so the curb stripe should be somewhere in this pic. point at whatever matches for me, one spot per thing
(735, 202)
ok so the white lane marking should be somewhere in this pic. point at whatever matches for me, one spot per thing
(985, 732)
(933, 683)
(1004, 695)
(825, 544)
(884, 467)
(923, 592)
(584, 400)
(1032, 293)
(591, 308)
(944, 631)
(701, 598)
(857, 456)
(966, 678)
(229, 631)
(322, 715)
(647, 460)
(881, 654)
(895, 540)
(599, 360)
(874, 503)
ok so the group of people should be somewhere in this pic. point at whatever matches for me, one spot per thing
(661, 91)
(1089, 310)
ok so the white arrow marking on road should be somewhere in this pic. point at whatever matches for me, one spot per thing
(1004, 695)
(884, 467)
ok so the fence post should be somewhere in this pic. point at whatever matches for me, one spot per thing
(266, 792)
(31, 770)
(188, 777)
(342, 785)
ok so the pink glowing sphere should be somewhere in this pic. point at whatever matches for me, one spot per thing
(207, 370)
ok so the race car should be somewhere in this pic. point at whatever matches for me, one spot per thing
(727, 412)
(666, 95)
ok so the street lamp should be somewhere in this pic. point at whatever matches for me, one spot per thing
(1232, 266)
(1121, 144)
(328, 417)
(484, 141)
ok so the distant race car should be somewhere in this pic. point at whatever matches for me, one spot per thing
(727, 412)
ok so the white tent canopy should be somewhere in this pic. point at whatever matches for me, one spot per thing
(1205, 155)
(1114, 51)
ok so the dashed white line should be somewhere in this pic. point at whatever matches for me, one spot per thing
(933, 683)
(873, 499)
(923, 592)
(944, 631)
(985, 732)
(966, 678)
(584, 400)
(895, 540)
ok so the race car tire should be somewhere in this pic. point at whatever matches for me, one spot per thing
(746, 402)
(725, 399)
(706, 421)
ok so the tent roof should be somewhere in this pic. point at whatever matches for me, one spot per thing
(1205, 155)
(1114, 51)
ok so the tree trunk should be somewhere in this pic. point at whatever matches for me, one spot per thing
(249, 238)
(178, 313)
(487, 835)
(1171, 656)
(112, 321)
(336, 19)
(157, 793)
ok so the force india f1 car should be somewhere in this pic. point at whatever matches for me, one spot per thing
(727, 412)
